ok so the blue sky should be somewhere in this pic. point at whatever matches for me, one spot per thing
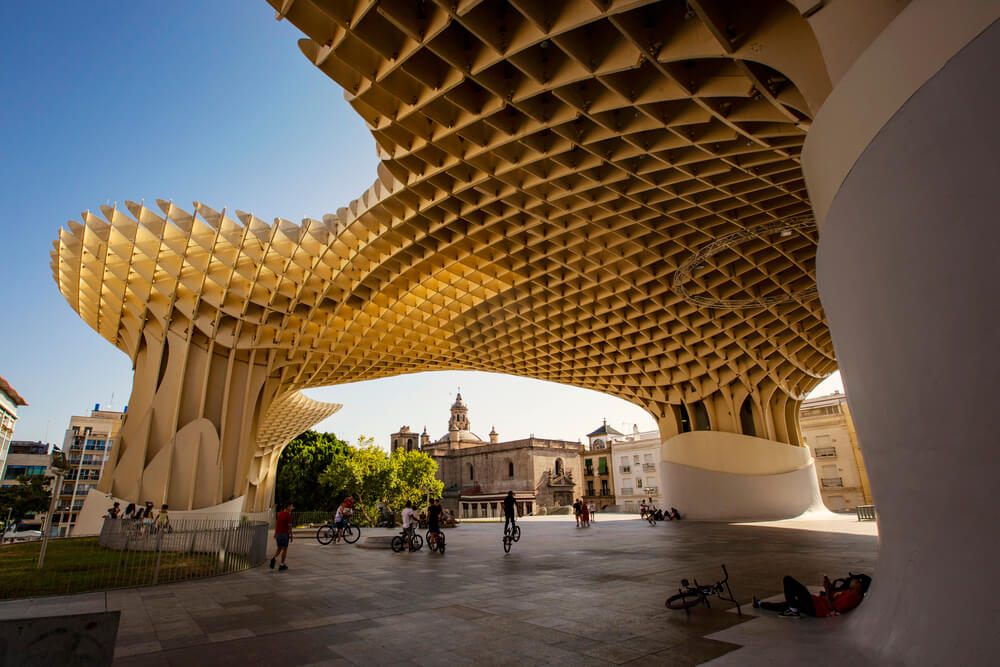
(196, 101)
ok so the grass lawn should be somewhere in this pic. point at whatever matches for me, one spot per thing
(78, 565)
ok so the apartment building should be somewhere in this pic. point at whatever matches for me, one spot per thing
(636, 458)
(25, 457)
(9, 402)
(88, 445)
(828, 431)
(598, 469)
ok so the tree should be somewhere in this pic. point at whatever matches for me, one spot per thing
(31, 494)
(415, 478)
(370, 475)
(300, 468)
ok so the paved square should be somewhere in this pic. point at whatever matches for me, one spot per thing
(562, 596)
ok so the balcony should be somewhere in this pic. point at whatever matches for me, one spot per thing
(624, 468)
(832, 482)
(825, 452)
(651, 490)
(588, 471)
(649, 467)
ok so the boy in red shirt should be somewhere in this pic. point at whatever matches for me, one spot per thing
(282, 535)
(798, 599)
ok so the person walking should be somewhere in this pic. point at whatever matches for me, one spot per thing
(577, 511)
(585, 519)
(282, 535)
(508, 511)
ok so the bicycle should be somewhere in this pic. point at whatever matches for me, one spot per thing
(399, 542)
(435, 541)
(510, 535)
(328, 532)
(689, 596)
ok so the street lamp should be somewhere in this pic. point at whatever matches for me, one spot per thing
(60, 466)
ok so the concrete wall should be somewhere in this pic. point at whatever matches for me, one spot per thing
(908, 273)
(727, 477)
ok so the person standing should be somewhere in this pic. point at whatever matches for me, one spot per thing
(508, 511)
(593, 512)
(282, 535)
(577, 511)
(585, 519)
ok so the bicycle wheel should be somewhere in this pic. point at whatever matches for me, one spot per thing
(397, 544)
(685, 599)
(506, 544)
(516, 533)
(417, 542)
(431, 542)
(651, 519)
(325, 534)
(351, 533)
(441, 546)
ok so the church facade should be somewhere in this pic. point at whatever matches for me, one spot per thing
(478, 473)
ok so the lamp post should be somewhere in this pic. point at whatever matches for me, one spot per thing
(59, 468)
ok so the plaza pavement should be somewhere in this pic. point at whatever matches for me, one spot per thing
(562, 596)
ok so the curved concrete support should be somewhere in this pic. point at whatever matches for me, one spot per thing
(728, 477)
(908, 274)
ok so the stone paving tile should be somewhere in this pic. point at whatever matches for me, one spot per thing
(536, 605)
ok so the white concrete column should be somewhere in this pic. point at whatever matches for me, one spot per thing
(909, 272)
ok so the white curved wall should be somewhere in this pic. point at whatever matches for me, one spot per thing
(908, 271)
(716, 476)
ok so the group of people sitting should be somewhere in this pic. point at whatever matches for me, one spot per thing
(144, 515)
(448, 519)
(658, 515)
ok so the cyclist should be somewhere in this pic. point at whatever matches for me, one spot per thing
(409, 523)
(508, 512)
(343, 515)
(434, 513)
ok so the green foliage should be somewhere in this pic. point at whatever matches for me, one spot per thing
(300, 467)
(29, 495)
(370, 475)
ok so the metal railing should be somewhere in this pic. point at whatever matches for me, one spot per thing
(130, 553)
(624, 468)
(832, 482)
(866, 513)
(649, 467)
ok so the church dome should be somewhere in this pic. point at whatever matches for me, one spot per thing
(463, 436)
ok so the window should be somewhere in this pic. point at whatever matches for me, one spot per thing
(472, 475)
(589, 465)
(638, 483)
(598, 444)
(635, 459)
(604, 488)
(647, 458)
(830, 470)
(590, 487)
(602, 466)
(559, 467)
(825, 452)
(510, 468)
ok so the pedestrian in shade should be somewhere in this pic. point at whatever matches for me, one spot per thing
(282, 535)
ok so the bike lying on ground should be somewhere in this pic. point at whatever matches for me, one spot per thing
(688, 596)
(399, 542)
(510, 535)
(328, 532)
(435, 542)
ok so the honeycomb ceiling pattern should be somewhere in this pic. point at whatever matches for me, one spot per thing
(545, 169)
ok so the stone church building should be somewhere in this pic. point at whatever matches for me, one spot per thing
(477, 473)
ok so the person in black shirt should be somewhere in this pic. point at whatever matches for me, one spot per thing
(508, 511)
(434, 516)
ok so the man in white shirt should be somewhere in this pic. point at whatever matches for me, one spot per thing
(409, 523)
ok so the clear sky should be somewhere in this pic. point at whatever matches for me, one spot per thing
(105, 102)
